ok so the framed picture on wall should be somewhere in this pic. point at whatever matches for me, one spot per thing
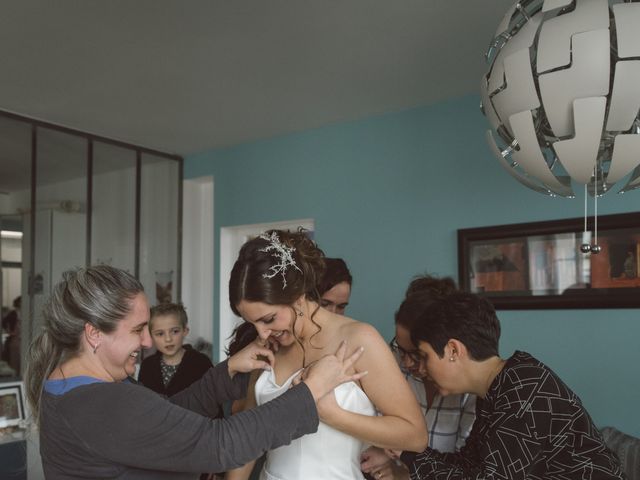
(12, 406)
(540, 264)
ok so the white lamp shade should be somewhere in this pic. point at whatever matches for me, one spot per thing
(562, 94)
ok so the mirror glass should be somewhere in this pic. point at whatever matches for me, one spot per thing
(10, 294)
(113, 218)
(73, 222)
(15, 182)
(59, 220)
(159, 228)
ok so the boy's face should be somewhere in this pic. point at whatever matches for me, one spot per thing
(168, 334)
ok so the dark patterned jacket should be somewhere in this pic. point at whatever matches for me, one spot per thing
(192, 367)
(529, 426)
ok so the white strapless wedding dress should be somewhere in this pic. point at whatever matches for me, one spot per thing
(327, 454)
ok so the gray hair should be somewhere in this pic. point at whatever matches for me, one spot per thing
(99, 295)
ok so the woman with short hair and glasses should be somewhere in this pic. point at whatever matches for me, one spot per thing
(529, 424)
(448, 418)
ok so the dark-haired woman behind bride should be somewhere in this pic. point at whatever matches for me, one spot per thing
(273, 287)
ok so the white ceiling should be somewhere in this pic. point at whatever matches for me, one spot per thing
(191, 75)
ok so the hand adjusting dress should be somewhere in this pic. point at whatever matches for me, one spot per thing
(327, 454)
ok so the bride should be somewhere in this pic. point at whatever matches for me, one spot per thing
(273, 287)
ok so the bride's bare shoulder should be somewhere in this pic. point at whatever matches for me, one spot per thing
(377, 356)
(359, 333)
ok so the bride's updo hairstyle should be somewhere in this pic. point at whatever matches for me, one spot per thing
(276, 268)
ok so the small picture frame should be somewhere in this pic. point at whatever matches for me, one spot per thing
(12, 404)
(540, 265)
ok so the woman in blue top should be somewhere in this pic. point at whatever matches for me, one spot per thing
(95, 423)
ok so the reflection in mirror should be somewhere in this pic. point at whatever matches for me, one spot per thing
(159, 229)
(59, 220)
(80, 207)
(15, 183)
(113, 218)
(15, 168)
(10, 294)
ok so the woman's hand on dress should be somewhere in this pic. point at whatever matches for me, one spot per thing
(256, 355)
(372, 459)
(327, 406)
(331, 370)
(328, 409)
(391, 471)
(380, 465)
(384, 473)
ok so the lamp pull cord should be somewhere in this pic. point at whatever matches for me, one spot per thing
(585, 209)
(595, 248)
(584, 246)
(595, 213)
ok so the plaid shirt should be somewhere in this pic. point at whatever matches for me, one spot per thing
(449, 419)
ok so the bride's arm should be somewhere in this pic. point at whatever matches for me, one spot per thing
(401, 425)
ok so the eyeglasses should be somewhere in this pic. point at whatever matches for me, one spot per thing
(414, 355)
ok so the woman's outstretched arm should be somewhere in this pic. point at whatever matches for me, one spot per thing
(244, 472)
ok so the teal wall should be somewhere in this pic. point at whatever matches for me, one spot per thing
(388, 194)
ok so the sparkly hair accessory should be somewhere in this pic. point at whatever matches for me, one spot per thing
(282, 253)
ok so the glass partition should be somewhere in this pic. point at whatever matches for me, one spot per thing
(58, 220)
(113, 218)
(15, 164)
(80, 199)
(10, 293)
(61, 201)
(159, 228)
(15, 179)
